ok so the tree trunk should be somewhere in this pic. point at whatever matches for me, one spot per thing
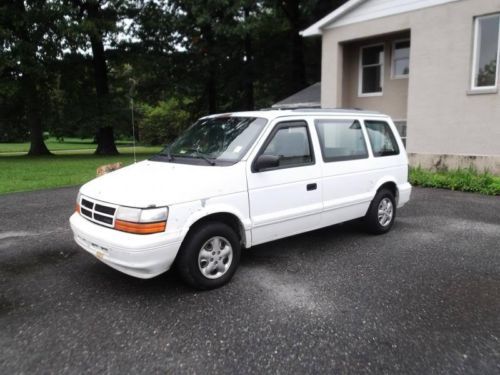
(31, 90)
(105, 134)
(106, 141)
(211, 79)
(212, 87)
(298, 67)
(100, 66)
(248, 78)
(37, 144)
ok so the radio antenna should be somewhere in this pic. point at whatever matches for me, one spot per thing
(131, 93)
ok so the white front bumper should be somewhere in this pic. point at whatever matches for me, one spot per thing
(143, 256)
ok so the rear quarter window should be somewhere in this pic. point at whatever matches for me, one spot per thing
(381, 138)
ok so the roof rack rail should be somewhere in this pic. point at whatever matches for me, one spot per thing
(335, 110)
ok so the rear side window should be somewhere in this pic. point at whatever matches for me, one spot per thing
(381, 138)
(341, 140)
(291, 142)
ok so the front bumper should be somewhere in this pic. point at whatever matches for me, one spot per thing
(142, 256)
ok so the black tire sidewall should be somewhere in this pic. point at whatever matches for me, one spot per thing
(187, 262)
(371, 218)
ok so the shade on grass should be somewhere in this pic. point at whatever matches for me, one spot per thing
(23, 173)
(54, 145)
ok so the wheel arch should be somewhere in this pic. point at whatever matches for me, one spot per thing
(226, 217)
(387, 183)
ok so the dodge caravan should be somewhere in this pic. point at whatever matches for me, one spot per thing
(236, 180)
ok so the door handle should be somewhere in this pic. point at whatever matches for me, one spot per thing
(310, 187)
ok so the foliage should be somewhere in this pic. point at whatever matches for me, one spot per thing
(162, 123)
(487, 74)
(67, 66)
(468, 180)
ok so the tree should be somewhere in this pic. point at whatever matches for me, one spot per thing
(96, 18)
(29, 36)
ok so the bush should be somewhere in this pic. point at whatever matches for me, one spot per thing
(461, 179)
(162, 123)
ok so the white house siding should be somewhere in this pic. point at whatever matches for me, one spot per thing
(443, 117)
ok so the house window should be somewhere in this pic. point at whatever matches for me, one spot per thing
(486, 52)
(401, 59)
(371, 70)
(401, 127)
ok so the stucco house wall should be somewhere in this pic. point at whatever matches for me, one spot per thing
(395, 96)
(444, 116)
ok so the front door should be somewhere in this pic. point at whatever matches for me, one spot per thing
(285, 199)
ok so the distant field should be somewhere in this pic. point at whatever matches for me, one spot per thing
(55, 145)
(23, 173)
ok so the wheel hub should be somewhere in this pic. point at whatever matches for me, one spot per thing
(215, 257)
(385, 212)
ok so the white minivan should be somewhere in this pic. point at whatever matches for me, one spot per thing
(236, 180)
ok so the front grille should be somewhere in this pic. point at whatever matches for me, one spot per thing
(98, 212)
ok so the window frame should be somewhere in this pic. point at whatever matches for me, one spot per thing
(475, 50)
(405, 138)
(343, 158)
(393, 131)
(393, 59)
(280, 125)
(360, 71)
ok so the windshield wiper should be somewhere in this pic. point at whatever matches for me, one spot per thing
(199, 155)
(167, 154)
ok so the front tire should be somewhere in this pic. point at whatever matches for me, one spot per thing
(382, 212)
(209, 256)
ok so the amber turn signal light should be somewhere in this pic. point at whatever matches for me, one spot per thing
(140, 228)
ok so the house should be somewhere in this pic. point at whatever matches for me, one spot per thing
(310, 97)
(433, 65)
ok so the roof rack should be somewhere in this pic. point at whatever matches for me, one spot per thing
(334, 110)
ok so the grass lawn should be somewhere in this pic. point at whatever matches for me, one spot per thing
(55, 145)
(22, 173)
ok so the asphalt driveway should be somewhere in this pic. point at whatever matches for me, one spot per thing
(423, 299)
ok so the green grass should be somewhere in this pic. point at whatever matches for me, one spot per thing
(54, 145)
(23, 173)
(461, 179)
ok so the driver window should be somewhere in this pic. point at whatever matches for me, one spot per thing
(292, 144)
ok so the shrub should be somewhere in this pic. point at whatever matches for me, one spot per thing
(460, 179)
(162, 123)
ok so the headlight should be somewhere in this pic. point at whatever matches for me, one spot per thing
(141, 221)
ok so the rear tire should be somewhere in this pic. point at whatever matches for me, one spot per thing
(209, 256)
(382, 212)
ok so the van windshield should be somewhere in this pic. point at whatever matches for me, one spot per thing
(211, 141)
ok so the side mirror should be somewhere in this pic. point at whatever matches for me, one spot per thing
(266, 162)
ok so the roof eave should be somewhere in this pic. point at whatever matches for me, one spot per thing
(317, 28)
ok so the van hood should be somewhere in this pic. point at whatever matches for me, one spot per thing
(156, 183)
